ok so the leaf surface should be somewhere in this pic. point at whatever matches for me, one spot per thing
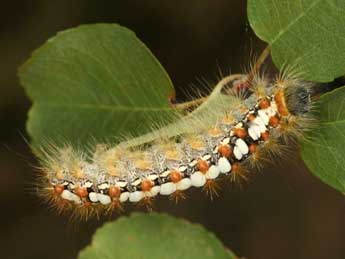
(154, 236)
(306, 34)
(94, 82)
(324, 153)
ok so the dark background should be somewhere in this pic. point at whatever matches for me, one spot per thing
(285, 212)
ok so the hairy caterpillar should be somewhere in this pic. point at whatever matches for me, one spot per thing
(236, 135)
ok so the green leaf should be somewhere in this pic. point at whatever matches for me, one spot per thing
(94, 82)
(324, 153)
(154, 236)
(308, 34)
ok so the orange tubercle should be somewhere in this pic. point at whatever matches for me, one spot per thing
(225, 150)
(58, 189)
(251, 117)
(114, 191)
(264, 103)
(280, 101)
(252, 148)
(265, 135)
(87, 204)
(240, 132)
(202, 166)
(273, 121)
(146, 185)
(81, 192)
(235, 167)
(175, 176)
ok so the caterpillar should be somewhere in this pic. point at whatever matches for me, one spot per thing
(229, 137)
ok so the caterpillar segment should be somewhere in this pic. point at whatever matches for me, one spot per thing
(170, 167)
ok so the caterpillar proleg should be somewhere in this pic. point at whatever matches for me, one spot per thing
(224, 140)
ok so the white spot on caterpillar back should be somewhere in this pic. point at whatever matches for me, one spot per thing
(237, 152)
(213, 172)
(124, 196)
(93, 197)
(184, 184)
(104, 199)
(198, 179)
(263, 116)
(136, 196)
(153, 192)
(254, 131)
(224, 165)
(258, 121)
(167, 188)
(242, 146)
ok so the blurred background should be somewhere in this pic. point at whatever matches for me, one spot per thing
(285, 212)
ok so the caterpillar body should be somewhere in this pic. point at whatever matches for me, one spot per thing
(237, 138)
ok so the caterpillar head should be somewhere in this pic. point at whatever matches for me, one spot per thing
(298, 98)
